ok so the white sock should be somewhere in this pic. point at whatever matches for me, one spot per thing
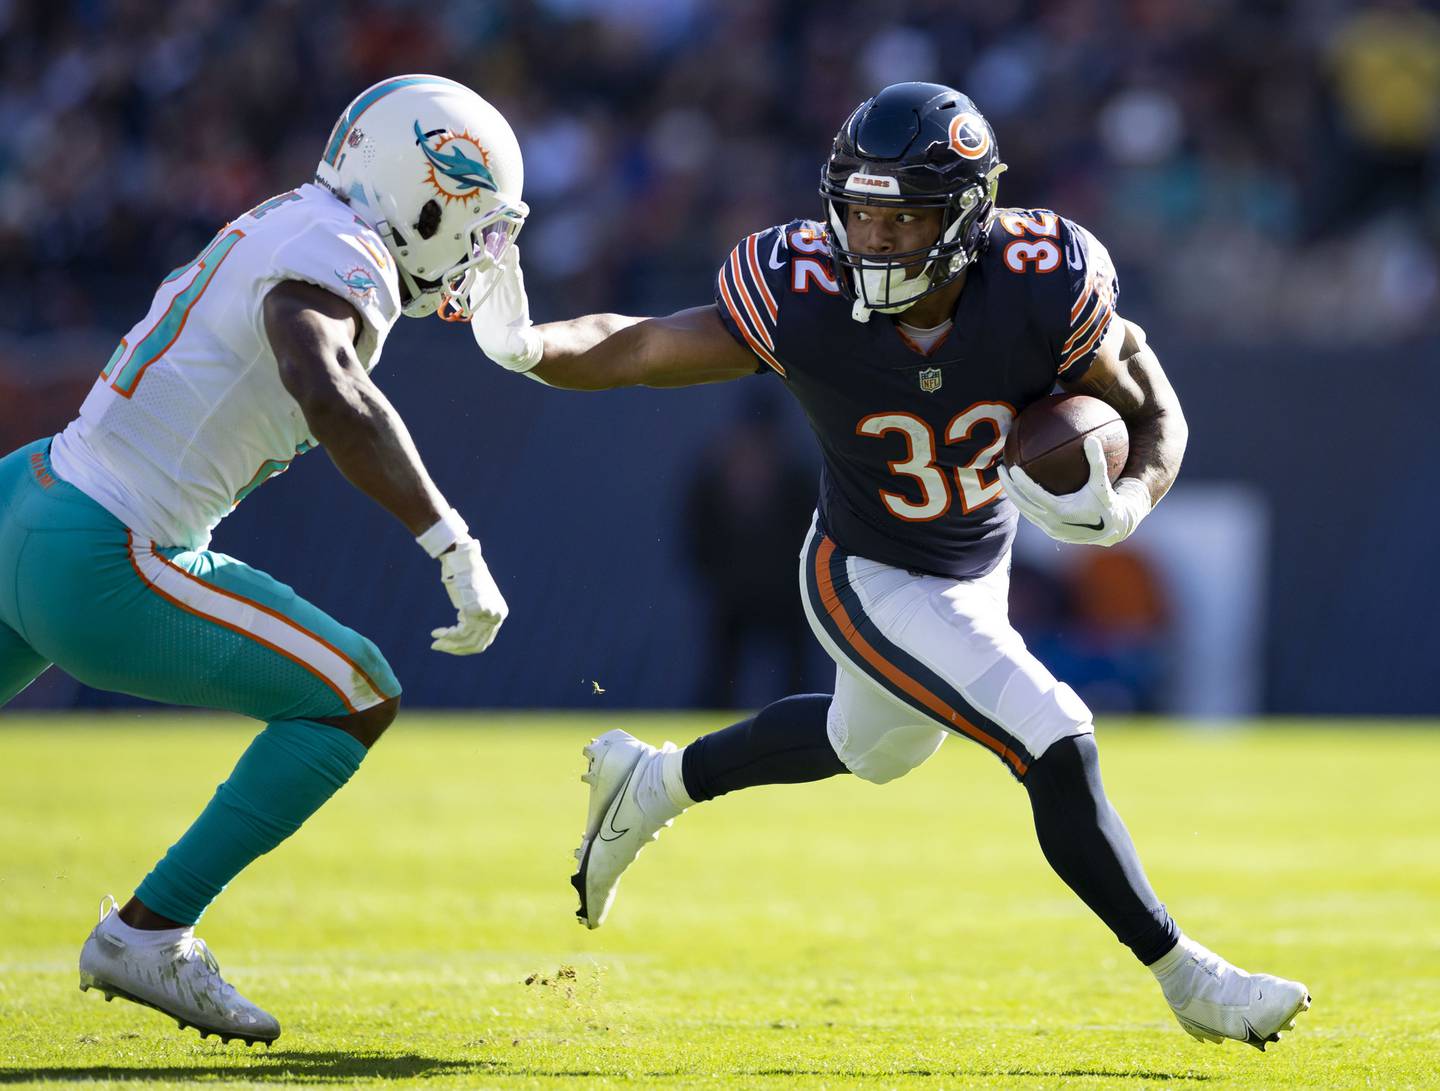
(142, 937)
(672, 775)
(1165, 965)
(657, 788)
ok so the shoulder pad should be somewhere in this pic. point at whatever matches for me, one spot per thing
(343, 255)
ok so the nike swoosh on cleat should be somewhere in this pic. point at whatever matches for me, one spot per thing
(1098, 525)
(614, 834)
(1254, 1038)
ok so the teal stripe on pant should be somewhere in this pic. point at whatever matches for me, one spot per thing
(283, 777)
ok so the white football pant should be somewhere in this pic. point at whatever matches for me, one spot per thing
(920, 657)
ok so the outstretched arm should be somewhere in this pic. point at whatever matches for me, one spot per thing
(312, 333)
(603, 351)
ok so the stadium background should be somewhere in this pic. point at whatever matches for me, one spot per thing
(1264, 175)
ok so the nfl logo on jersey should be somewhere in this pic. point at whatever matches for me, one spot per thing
(930, 379)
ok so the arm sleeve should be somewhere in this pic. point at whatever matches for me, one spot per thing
(352, 262)
(748, 290)
(1092, 289)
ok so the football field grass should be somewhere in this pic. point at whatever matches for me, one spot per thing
(419, 932)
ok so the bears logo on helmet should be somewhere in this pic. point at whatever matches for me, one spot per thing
(914, 145)
(969, 136)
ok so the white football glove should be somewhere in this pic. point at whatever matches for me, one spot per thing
(480, 608)
(500, 319)
(1098, 514)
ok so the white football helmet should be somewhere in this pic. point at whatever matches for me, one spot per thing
(436, 171)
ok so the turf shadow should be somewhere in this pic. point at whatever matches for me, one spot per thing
(309, 1067)
(1094, 1073)
(515, 1069)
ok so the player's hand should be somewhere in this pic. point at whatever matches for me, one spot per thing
(480, 608)
(1098, 514)
(500, 317)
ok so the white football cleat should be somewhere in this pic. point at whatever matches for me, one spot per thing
(177, 976)
(1214, 1000)
(617, 827)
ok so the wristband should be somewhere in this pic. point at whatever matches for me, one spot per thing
(444, 534)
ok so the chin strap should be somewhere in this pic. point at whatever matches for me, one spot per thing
(451, 311)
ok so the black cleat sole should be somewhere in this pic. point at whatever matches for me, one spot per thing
(1289, 1024)
(1252, 1037)
(578, 882)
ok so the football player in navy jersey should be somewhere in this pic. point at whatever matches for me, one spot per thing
(912, 323)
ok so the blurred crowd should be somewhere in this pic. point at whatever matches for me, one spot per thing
(1257, 167)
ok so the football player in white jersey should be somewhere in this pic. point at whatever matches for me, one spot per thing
(256, 351)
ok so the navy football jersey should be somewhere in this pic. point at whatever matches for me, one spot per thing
(910, 439)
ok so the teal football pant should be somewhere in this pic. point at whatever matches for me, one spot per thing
(185, 627)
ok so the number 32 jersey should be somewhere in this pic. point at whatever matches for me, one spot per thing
(190, 415)
(910, 439)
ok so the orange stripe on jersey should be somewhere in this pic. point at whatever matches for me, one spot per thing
(750, 338)
(836, 609)
(1095, 312)
(1080, 303)
(744, 294)
(914, 346)
(125, 386)
(1081, 350)
(379, 255)
(752, 252)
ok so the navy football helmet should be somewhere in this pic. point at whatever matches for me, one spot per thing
(917, 145)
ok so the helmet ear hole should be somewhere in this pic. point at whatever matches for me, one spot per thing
(429, 220)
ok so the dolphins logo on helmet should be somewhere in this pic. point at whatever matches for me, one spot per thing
(437, 173)
(454, 174)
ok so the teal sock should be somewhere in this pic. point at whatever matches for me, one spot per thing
(284, 777)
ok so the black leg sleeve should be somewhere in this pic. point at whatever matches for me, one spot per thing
(785, 743)
(1088, 846)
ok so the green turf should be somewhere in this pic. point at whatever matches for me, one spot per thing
(419, 931)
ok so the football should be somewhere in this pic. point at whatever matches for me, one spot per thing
(1047, 440)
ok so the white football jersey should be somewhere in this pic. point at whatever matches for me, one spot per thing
(190, 414)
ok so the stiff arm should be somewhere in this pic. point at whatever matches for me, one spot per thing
(1127, 375)
(605, 351)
